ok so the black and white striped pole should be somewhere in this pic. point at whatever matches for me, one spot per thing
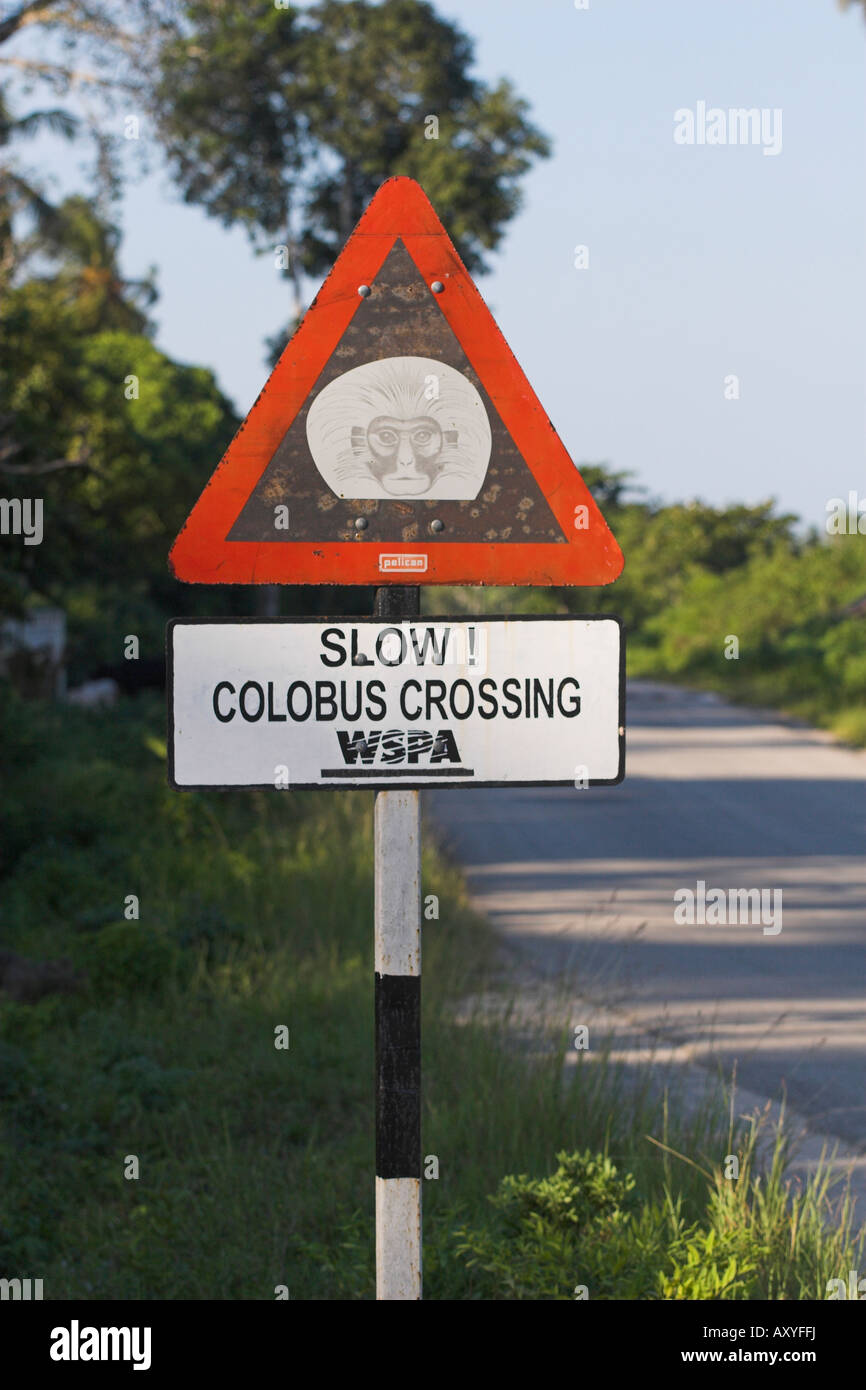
(397, 835)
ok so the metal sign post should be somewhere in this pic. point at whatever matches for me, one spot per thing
(397, 439)
(395, 703)
(397, 964)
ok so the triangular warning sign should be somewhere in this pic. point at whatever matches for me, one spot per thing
(397, 440)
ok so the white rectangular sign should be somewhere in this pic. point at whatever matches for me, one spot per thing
(417, 702)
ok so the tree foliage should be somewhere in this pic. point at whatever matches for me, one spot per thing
(96, 421)
(666, 545)
(114, 39)
(286, 121)
(697, 575)
(23, 203)
(93, 55)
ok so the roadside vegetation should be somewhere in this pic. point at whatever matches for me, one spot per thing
(154, 1141)
(153, 1038)
(698, 576)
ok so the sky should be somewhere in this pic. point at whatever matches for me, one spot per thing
(706, 261)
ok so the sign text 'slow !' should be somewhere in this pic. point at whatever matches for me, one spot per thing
(419, 703)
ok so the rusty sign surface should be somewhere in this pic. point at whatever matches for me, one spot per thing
(397, 439)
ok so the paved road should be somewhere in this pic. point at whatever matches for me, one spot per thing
(585, 880)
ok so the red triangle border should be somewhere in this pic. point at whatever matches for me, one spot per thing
(202, 555)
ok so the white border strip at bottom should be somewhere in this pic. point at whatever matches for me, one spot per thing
(398, 1238)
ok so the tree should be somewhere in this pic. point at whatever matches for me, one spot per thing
(115, 36)
(668, 545)
(31, 11)
(101, 52)
(95, 421)
(233, 138)
(286, 121)
(21, 197)
(85, 247)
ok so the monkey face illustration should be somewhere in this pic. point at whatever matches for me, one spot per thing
(405, 454)
(406, 427)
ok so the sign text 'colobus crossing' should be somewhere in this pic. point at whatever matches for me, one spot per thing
(295, 703)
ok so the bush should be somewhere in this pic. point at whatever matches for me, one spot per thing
(583, 1227)
(126, 958)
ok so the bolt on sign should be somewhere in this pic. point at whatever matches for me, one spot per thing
(420, 703)
(397, 439)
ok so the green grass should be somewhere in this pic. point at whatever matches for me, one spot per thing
(849, 725)
(762, 689)
(590, 1230)
(256, 1165)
